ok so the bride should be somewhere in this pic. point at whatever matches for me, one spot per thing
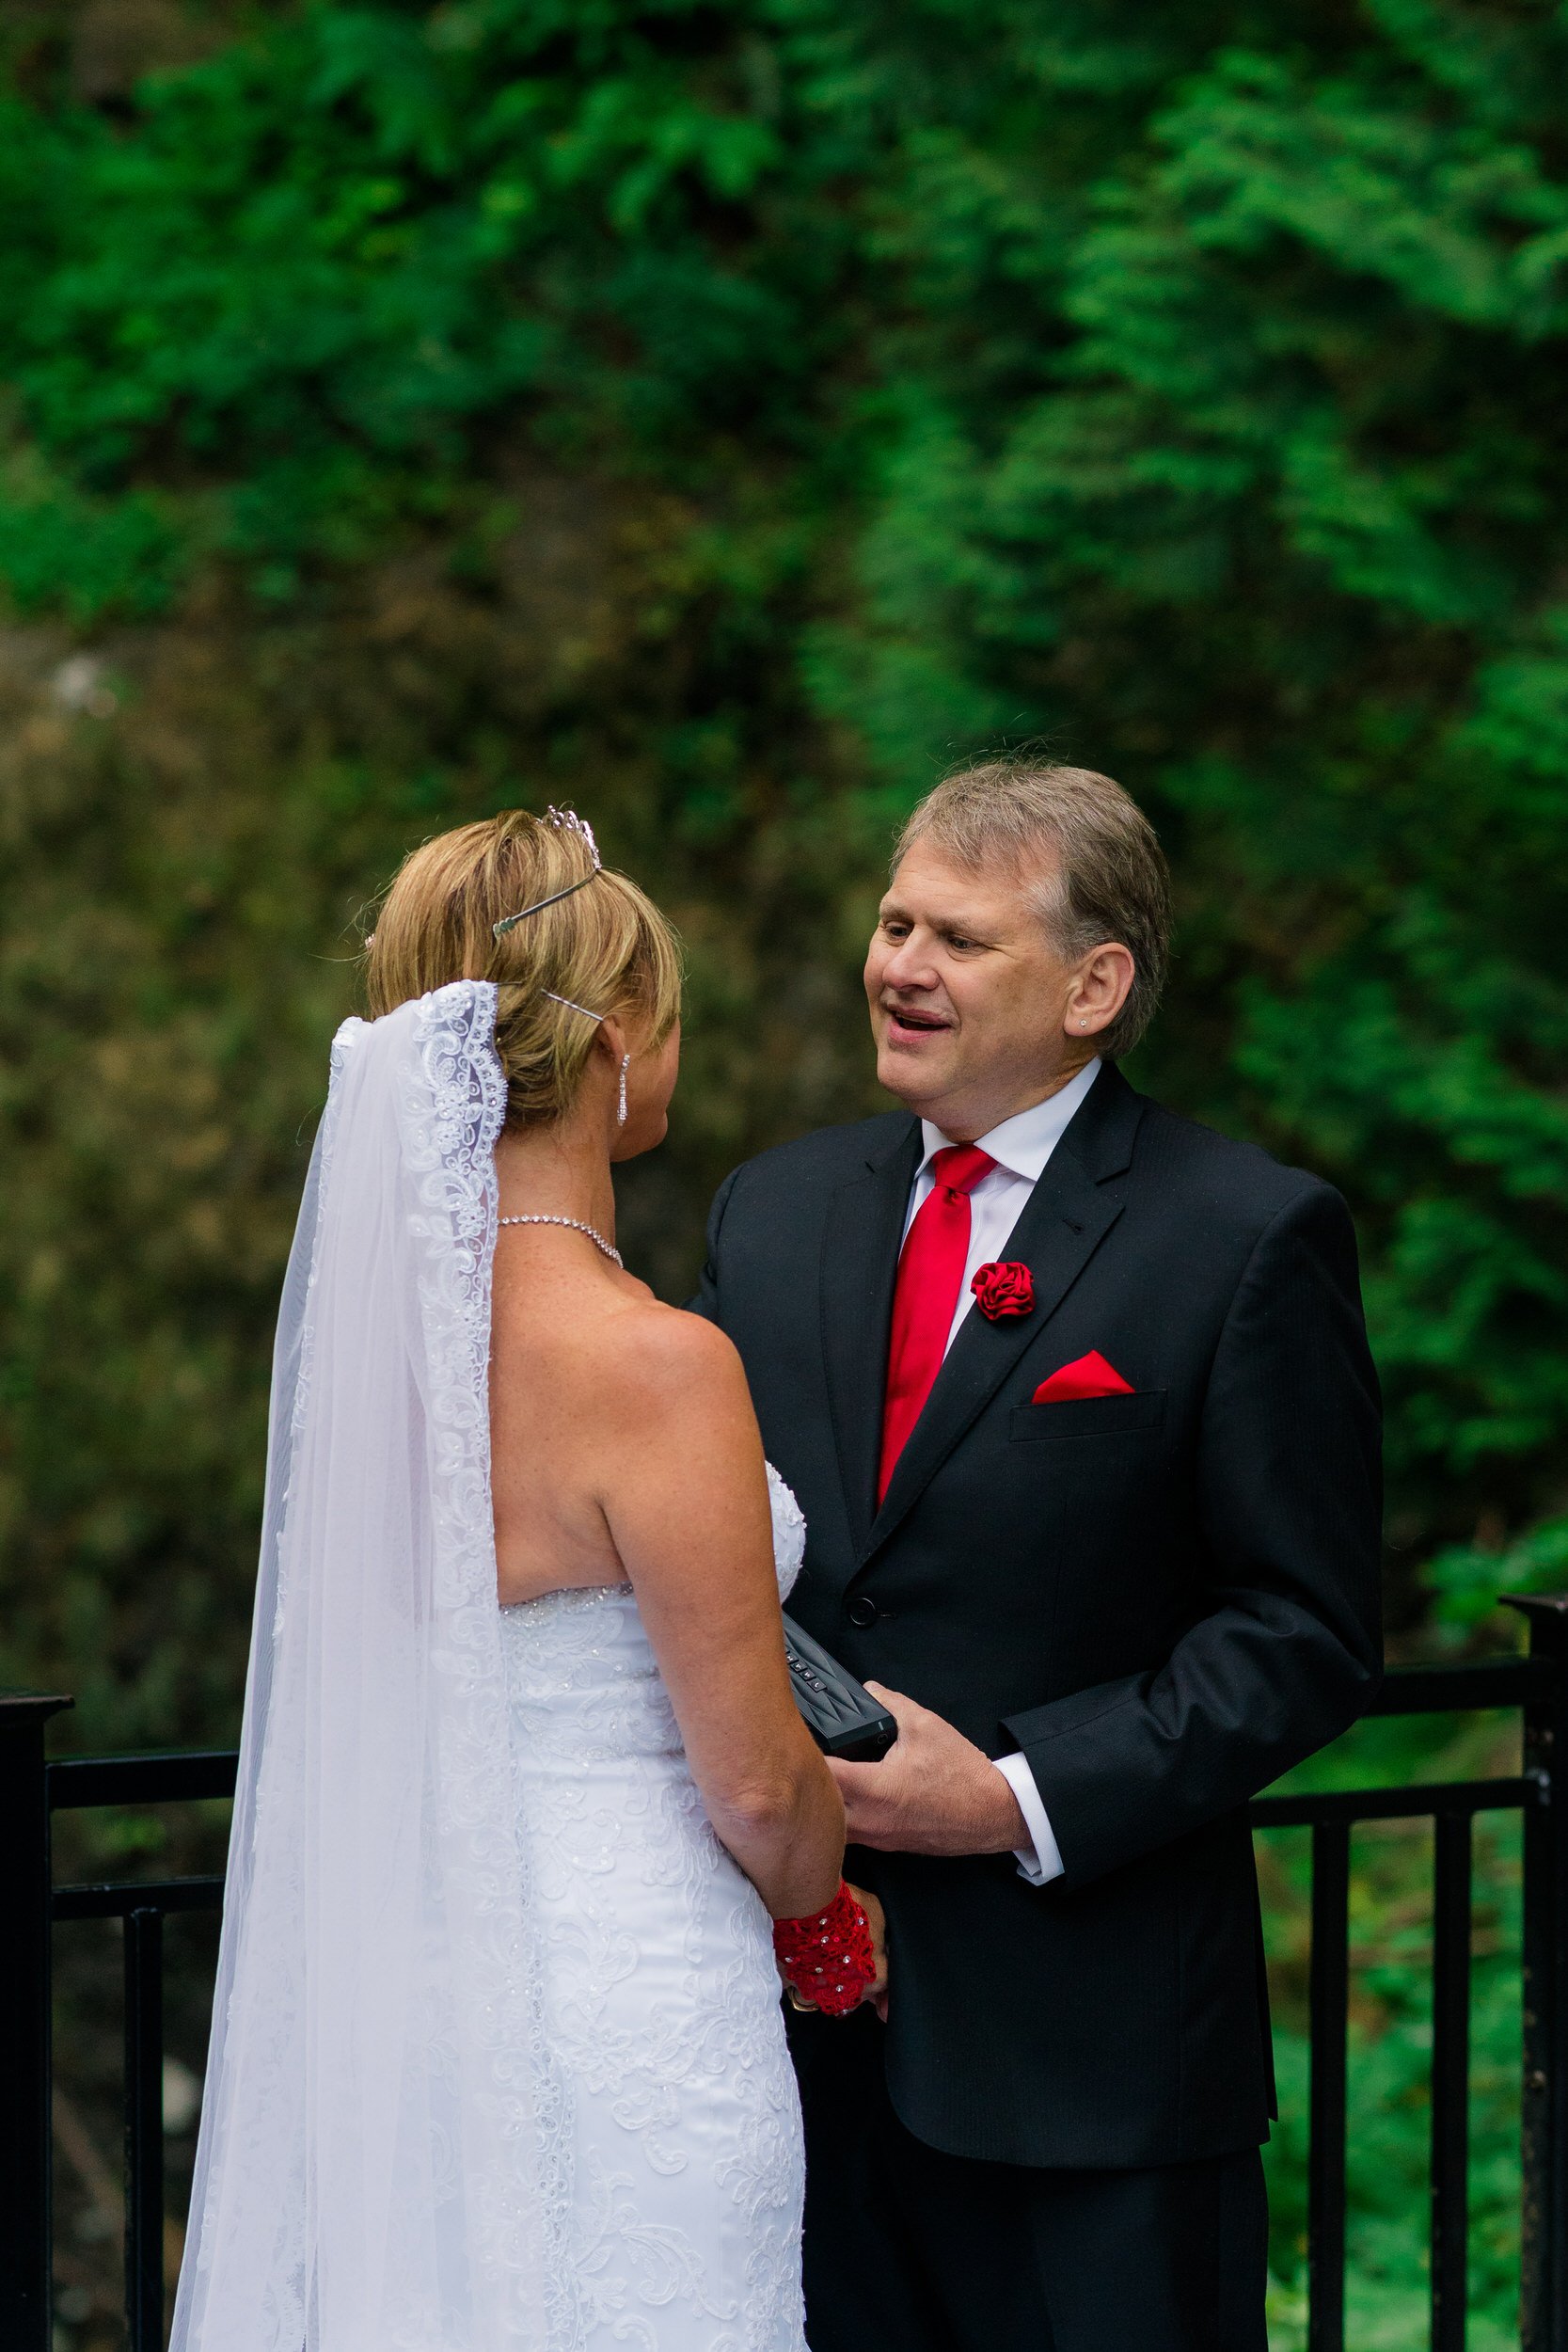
(497, 2063)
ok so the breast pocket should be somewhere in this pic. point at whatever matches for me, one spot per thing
(1087, 1416)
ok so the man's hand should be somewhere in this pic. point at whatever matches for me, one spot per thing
(934, 1791)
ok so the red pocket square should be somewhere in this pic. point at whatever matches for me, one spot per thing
(1090, 1375)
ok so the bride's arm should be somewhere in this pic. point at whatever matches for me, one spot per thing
(685, 1493)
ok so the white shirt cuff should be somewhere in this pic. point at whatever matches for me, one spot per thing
(1041, 1861)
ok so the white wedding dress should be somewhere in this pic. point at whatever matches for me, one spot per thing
(675, 2126)
(496, 2061)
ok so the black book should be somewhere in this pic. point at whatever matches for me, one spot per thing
(840, 1714)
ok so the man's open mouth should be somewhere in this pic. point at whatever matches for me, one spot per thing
(907, 1021)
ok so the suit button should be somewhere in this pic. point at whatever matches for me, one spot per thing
(863, 1611)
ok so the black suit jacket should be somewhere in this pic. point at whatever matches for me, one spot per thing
(1164, 1599)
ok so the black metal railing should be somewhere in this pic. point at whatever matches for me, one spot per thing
(33, 1788)
(1537, 1687)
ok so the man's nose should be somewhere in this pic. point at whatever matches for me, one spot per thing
(910, 964)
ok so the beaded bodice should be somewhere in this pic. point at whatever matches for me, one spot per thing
(580, 1670)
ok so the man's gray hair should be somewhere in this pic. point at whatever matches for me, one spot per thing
(1109, 880)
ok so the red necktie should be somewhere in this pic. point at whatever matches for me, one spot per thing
(929, 1272)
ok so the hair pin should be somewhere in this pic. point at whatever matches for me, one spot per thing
(567, 1001)
(561, 820)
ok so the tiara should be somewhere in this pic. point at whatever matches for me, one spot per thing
(561, 820)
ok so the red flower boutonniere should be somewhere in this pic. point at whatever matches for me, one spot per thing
(1004, 1289)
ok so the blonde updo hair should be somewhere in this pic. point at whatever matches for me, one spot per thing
(606, 947)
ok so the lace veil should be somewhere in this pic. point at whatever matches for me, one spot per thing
(370, 2170)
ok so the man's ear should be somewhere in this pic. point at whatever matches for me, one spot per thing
(1103, 984)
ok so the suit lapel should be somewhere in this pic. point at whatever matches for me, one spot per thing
(860, 1261)
(1066, 1218)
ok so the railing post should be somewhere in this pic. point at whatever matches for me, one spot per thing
(1543, 2219)
(1451, 2079)
(25, 2022)
(144, 2130)
(1329, 1997)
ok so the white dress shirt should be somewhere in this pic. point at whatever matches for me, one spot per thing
(1020, 1148)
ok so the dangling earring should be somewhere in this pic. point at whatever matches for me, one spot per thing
(621, 1114)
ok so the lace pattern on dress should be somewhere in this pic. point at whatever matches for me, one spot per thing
(680, 2135)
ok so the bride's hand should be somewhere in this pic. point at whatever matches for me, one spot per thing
(876, 1992)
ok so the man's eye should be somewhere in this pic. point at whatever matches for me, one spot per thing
(893, 929)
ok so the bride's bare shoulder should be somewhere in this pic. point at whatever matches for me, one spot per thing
(649, 1340)
(665, 1361)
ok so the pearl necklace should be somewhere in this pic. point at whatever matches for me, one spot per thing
(577, 1227)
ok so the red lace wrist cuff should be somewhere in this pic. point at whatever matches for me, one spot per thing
(827, 1956)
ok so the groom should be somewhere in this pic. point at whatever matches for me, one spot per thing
(1107, 1513)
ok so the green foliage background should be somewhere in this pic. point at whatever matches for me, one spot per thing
(726, 414)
